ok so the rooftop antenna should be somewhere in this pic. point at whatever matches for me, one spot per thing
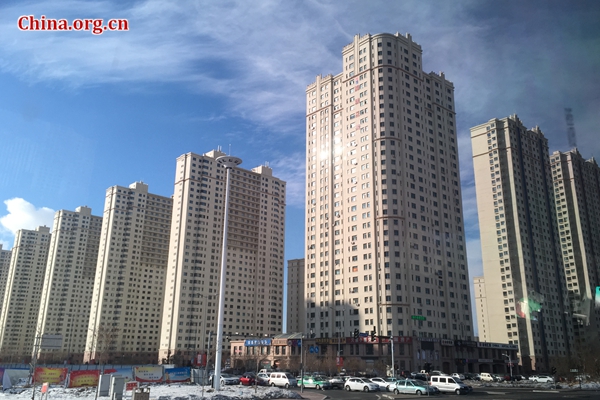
(229, 148)
(570, 128)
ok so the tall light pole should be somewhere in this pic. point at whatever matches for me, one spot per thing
(228, 162)
(301, 364)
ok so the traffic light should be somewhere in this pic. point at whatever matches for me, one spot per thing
(553, 370)
(373, 334)
(356, 333)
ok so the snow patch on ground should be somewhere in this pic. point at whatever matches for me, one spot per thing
(160, 392)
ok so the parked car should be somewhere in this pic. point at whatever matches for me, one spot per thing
(337, 382)
(472, 377)
(262, 379)
(498, 378)
(486, 377)
(414, 386)
(541, 379)
(360, 384)
(384, 384)
(457, 375)
(248, 379)
(317, 382)
(226, 379)
(282, 379)
(449, 384)
(419, 376)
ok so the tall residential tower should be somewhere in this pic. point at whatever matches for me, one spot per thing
(128, 295)
(19, 314)
(255, 265)
(69, 282)
(4, 266)
(577, 197)
(524, 281)
(385, 246)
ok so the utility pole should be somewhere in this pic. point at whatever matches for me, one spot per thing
(228, 162)
(393, 365)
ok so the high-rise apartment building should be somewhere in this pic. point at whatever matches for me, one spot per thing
(295, 321)
(524, 280)
(577, 197)
(18, 319)
(4, 266)
(128, 294)
(385, 244)
(69, 281)
(255, 265)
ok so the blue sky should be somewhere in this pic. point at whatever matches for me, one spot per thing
(80, 112)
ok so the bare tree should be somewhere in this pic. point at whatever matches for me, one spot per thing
(105, 339)
(329, 363)
(381, 365)
(354, 364)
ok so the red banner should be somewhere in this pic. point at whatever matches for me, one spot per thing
(84, 378)
(50, 375)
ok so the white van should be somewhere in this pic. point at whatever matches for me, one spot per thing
(449, 384)
(486, 377)
(282, 379)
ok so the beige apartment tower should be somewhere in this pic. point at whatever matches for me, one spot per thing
(18, 319)
(295, 296)
(68, 283)
(255, 265)
(4, 266)
(524, 282)
(577, 197)
(128, 294)
(385, 244)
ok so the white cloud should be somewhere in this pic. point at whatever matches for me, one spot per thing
(291, 169)
(214, 47)
(23, 215)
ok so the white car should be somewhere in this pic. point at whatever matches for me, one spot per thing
(459, 376)
(541, 379)
(227, 379)
(384, 384)
(360, 384)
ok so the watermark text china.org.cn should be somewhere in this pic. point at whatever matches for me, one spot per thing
(96, 26)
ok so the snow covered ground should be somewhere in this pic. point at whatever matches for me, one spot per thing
(160, 392)
(528, 384)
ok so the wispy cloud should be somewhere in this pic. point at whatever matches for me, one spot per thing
(21, 214)
(216, 47)
(291, 168)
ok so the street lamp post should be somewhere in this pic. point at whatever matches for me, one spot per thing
(301, 363)
(228, 162)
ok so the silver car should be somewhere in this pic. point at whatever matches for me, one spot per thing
(414, 386)
(360, 384)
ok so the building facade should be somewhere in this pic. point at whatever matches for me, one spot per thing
(18, 319)
(577, 198)
(295, 296)
(68, 283)
(524, 279)
(287, 352)
(127, 299)
(385, 246)
(4, 266)
(255, 265)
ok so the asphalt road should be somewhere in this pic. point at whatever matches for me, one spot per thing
(496, 393)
